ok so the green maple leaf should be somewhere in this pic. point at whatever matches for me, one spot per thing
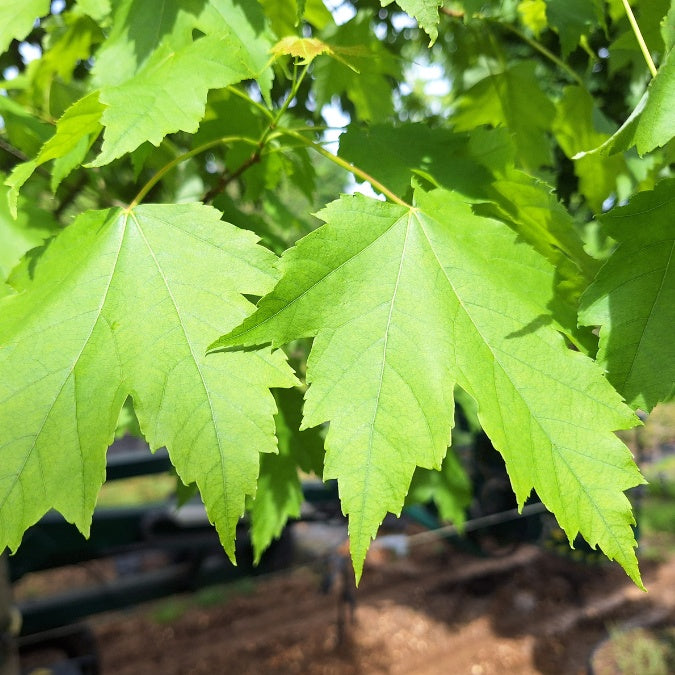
(573, 19)
(168, 94)
(512, 99)
(77, 129)
(279, 495)
(652, 124)
(479, 165)
(366, 80)
(122, 303)
(17, 18)
(404, 303)
(424, 11)
(139, 28)
(18, 235)
(633, 298)
(449, 488)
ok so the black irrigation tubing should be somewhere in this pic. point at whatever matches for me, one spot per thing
(475, 524)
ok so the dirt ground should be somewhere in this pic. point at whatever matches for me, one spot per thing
(433, 611)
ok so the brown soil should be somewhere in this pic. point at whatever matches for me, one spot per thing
(435, 611)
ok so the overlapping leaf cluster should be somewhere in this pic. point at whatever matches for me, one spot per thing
(497, 271)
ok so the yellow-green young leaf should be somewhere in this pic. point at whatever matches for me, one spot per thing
(404, 303)
(533, 15)
(366, 81)
(633, 298)
(424, 11)
(17, 18)
(305, 49)
(124, 303)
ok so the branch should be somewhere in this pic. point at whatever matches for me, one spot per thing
(180, 159)
(226, 178)
(453, 13)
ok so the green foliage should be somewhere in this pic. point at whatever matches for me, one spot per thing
(633, 298)
(496, 264)
(424, 11)
(279, 495)
(573, 19)
(118, 307)
(449, 489)
(17, 18)
(512, 99)
(388, 294)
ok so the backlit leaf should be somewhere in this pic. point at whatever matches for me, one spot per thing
(404, 303)
(168, 95)
(652, 124)
(424, 11)
(633, 298)
(17, 18)
(512, 99)
(123, 303)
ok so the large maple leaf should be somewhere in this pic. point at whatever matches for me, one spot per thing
(405, 302)
(123, 303)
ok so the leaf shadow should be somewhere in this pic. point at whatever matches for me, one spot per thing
(532, 327)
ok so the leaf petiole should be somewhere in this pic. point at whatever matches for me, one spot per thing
(639, 38)
(180, 159)
(355, 170)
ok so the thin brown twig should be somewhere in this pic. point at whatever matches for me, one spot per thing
(454, 13)
(226, 178)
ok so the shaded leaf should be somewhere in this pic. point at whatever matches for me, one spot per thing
(285, 15)
(279, 495)
(395, 154)
(365, 80)
(512, 99)
(573, 19)
(449, 489)
(17, 236)
(633, 298)
(575, 128)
